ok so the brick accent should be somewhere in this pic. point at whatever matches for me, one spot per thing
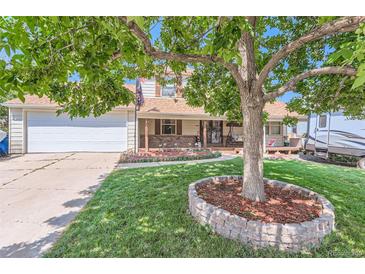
(286, 237)
(169, 141)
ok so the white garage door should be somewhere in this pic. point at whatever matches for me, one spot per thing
(48, 132)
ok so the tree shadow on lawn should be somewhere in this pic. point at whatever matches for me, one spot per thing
(143, 213)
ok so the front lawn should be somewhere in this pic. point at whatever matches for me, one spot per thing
(144, 213)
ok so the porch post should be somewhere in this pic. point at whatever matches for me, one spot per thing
(146, 148)
(205, 139)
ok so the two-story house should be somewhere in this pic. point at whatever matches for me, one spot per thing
(163, 121)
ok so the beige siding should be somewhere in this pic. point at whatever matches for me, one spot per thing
(130, 131)
(151, 126)
(190, 127)
(16, 126)
(149, 88)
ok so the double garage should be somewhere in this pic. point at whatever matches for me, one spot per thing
(36, 131)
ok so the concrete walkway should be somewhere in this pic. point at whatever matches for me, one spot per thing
(154, 164)
(40, 194)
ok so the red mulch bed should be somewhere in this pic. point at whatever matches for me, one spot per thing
(281, 206)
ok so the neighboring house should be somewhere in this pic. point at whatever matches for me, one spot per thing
(164, 121)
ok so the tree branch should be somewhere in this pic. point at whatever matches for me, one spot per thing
(345, 24)
(171, 56)
(314, 72)
(153, 52)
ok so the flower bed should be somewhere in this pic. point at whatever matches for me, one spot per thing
(168, 155)
(292, 219)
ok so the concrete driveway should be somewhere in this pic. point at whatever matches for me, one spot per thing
(41, 193)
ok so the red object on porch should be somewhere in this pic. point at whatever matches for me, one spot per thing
(271, 142)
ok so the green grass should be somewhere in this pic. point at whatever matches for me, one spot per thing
(144, 213)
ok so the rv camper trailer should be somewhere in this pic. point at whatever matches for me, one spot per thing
(333, 133)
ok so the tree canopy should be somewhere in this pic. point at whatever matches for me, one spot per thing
(239, 64)
(45, 52)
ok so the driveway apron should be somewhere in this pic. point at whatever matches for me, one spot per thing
(40, 194)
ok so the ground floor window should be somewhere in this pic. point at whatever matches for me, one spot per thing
(168, 127)
(273, 128)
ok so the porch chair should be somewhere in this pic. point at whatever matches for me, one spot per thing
(271, 143)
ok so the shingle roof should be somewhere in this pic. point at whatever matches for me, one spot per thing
(169, 105)
(32, 100)
(162, 105)
(278, 109)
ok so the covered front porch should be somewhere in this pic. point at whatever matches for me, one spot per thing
(160, 133)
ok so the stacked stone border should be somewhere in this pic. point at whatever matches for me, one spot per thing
(291, 237)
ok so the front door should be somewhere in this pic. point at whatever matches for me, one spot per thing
(215, 132)
(322, 132)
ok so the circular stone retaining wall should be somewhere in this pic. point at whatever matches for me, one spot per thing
(289, 237)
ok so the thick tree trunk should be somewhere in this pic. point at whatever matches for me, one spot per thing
(253, 184)
(252, 105)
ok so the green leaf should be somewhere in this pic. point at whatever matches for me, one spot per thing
(359, 81)
(138, 20)
(325, 19)
(344, 53)
(21, 96)
(7, 50)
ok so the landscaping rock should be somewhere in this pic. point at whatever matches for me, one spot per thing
(292, 237)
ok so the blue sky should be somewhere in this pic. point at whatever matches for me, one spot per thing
(3, 56)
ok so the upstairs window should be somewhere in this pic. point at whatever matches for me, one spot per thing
(169, 90)
(168, 127)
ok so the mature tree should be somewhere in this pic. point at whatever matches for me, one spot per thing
(240, 63)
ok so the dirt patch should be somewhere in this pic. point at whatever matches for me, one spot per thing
(282, 206)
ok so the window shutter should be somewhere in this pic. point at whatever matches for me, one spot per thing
(157, 126)
(157, 88)
(179, 127)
